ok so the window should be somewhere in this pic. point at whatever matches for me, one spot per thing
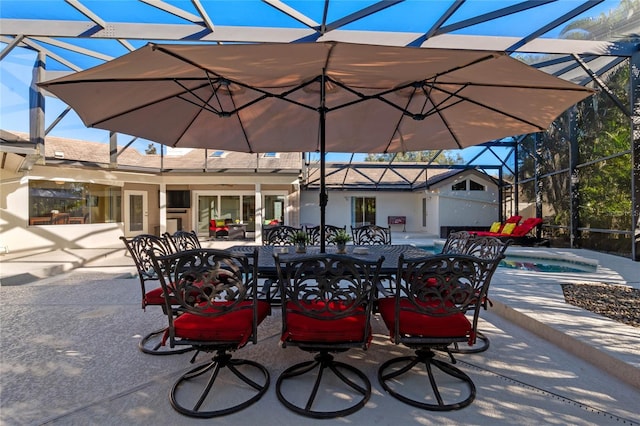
(274, 208)
(475, 186)
(178, 199)
(63, 203)
(237, 208)
(424, 212)
(363, 211)
(217, 154)
(460, 186)
(230, 207)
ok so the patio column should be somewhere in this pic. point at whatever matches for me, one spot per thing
(162, 194)
(113, 150)
(539, 184)
(258, 214)
(574, 181)
(635, 154)
(37, 106)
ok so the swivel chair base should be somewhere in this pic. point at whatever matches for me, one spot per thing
(388, 376)
(324, 361)
(481, 345)
(152, 344)
(191, 402)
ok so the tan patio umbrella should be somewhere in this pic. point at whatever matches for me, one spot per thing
(322, 97)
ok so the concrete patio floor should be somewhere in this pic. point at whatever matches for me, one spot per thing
(71, 322)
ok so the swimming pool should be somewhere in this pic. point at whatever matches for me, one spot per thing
(537, 264)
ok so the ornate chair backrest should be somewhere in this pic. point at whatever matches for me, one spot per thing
(369, 235)
(327, 287)
(139, 247)
(208, 283)
(491, 249)
(280, 235)
(439, 286)
(329, 232)
(487, 248)
(183, 240)
(456, 243)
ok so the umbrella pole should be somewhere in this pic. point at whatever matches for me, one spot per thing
(323, 191)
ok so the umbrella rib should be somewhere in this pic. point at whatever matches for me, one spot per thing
(265, 93)
(191, 122)
(462, 98)
(137, 107)
(240, 122)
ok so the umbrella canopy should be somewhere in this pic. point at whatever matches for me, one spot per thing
(305, 97)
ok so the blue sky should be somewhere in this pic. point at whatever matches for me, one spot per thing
(411, 15)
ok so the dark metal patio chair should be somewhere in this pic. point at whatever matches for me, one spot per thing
(139, 248)
(456, 242)
(214, 308)
(276, 235)
(329, 232)
(183, 240)
(491, 249)
(326, 308)
(368, 235)
(279, 235)
(428, 314)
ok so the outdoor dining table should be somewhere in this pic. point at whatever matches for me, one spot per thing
(391, 253)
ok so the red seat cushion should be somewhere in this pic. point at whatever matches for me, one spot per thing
(154, 297)
(413, 323)
(302, 328)
(484, 233)
(235, 326)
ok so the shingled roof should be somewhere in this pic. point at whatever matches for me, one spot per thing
(96, 154)
(368, 176)
(375, 176)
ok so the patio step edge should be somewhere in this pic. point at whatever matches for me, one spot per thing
(610, 364)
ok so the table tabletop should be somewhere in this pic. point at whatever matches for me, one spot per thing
(391, 253)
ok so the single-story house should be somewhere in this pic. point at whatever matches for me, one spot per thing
(74, 195)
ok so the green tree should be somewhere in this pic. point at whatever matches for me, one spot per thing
(428, 156)
(151, 150)
(603, 133)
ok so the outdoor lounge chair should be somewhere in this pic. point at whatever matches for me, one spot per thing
(499, 227)
(219, 228)
(519, 234)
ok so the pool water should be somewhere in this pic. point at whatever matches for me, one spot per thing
(534, 264)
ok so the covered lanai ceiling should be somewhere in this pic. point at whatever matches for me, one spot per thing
(576, 40)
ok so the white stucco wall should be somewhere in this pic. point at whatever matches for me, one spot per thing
(444, 207)
(467, 208)
(16, 235)
(338, 210)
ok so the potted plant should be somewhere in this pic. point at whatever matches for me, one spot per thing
(340, 239)
(300, 239)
